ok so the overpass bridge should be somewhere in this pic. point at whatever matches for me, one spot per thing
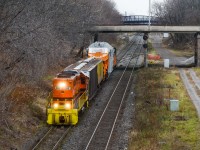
(139, 20)
(148, 29)
(142, 28)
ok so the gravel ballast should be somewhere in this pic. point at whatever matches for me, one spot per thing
(79, 137)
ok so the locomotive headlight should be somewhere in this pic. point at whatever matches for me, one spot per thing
(62, 85)
(55, 105)
(68, 105)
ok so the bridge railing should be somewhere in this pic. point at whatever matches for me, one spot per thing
(138, 19)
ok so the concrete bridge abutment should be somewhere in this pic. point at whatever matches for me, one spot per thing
(197, 50)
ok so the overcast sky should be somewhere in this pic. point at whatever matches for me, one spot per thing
(134, 7)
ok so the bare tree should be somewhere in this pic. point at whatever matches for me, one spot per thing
(37, 36)
(178, 12)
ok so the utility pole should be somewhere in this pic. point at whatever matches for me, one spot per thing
(197, 50)
(145, 46)
(145, 55)
(145, 41)
(149, 14)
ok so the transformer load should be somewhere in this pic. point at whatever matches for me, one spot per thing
(106, 53)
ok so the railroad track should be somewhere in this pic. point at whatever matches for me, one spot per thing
(103, 131)
(52, 139)
(128, 47)
(55, 135)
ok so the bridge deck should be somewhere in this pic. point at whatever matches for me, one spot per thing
(169, 29)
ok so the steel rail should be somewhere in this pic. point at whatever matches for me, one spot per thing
(110, 100)
(130, 44)
(55, 146)
(121, 103)
(51, 128)
(61, 138)
(42, 139)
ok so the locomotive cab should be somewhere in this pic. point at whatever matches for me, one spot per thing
(66, 84)
(63, 88)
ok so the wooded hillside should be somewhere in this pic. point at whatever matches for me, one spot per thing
(36, 36)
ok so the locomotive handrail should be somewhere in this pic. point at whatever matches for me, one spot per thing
(49, 98)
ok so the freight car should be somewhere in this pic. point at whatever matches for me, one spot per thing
(72, 88)
(106, 53)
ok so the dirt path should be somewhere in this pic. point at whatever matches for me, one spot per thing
(192, 87)
(166, 53)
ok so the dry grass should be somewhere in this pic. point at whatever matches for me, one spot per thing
(26, 115)
(156, 127)
(151, 49)
(197, 71)
(183, 53)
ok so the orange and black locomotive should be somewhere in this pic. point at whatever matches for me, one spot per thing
(78, 83)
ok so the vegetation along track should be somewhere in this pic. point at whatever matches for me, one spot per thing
(102, 133)
(52, 139)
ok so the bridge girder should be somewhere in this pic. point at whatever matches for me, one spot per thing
(169, 29)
